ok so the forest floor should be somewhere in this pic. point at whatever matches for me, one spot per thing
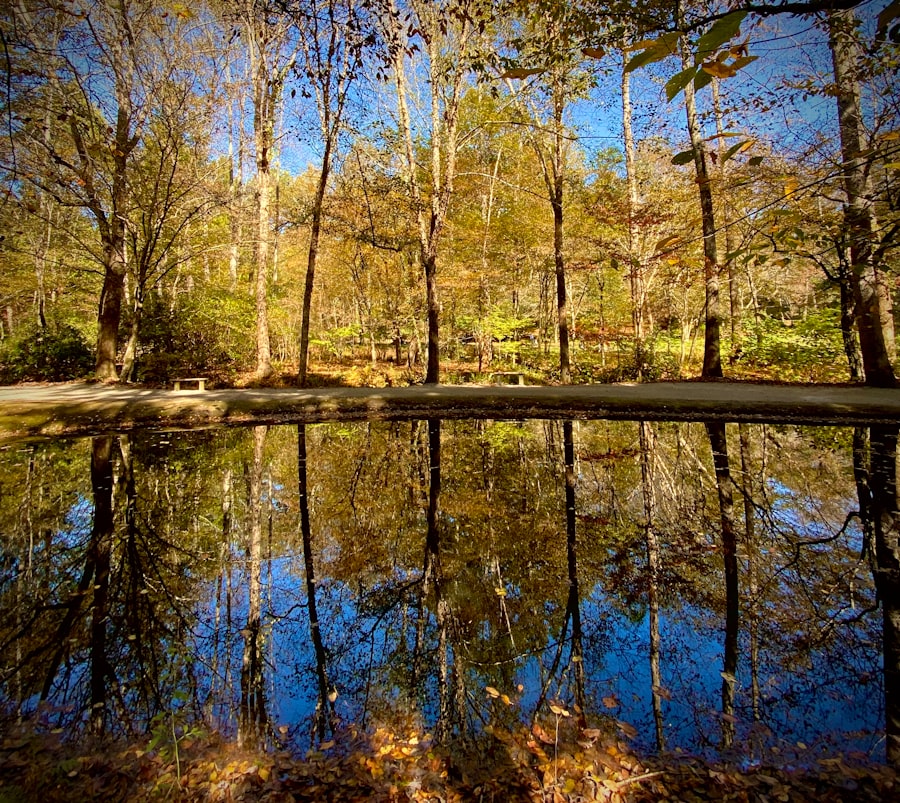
(42, 410)
(533, 765)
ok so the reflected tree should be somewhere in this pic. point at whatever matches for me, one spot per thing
(254, 718)
(876, 474)
(647, 441)
(725, 492)
(325, 717)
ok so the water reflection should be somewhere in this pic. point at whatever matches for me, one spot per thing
(703, 588)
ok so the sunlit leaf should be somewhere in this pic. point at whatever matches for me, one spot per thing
(610, 702)
(722, 30)
(491, 691)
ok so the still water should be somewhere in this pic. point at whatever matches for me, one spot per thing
(279, 583)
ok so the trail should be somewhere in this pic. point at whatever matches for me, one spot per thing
(83, 408)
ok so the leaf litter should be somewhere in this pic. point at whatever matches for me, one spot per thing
(528, 764)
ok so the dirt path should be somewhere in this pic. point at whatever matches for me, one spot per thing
(70, 409)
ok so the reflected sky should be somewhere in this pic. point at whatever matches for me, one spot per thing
(176, 627)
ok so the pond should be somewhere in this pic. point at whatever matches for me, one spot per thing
(278, 584)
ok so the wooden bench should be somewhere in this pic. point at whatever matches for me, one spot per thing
(200, 380)
(508, 378)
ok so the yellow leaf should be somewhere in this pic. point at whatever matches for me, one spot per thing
(491, 691)
(264, 773)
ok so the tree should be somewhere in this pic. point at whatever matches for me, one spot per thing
(331, 38)
(873, 311)
(266, 35)
(98, 110)
(447, 31)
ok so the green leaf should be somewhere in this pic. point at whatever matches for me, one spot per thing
(656, 50)
(743, 61)
(755, 161)
(645, 57)
(683, 158)
(722, 30)
(741, 146)
(679, 81)
(703, 78)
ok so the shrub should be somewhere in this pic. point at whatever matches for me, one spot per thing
(54, 354)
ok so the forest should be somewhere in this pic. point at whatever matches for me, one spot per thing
(388, 192)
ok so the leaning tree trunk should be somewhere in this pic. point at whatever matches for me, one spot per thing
(712, 351)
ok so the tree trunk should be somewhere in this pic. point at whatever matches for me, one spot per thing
(433, 371)
(875, 338)
(635, 263)
(724, 196)
(712, 352)
(311, 258)
(263, 348)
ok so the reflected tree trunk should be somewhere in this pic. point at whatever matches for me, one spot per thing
(725, 490)
(101, 544)
(752, 569)
(253, 725)
(877, 487)
(573, 606)
(223, 592)
(432, 580)
(648, 492)
(573, 609)
(325, 715)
